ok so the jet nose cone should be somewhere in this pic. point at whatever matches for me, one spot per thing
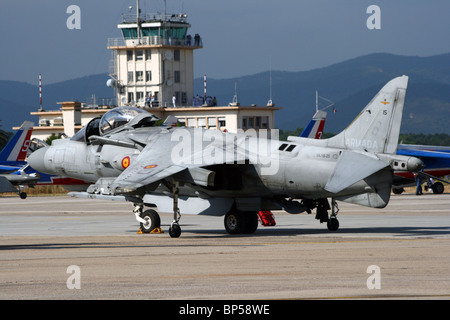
(415, 164)
(37, 160)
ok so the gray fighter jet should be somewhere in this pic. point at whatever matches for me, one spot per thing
(199, 171)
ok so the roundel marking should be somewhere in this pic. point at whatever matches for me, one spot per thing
(125, 162)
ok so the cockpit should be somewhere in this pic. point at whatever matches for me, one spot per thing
(118, 117)
(113, 119)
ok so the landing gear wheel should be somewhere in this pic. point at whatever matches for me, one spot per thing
(333, 224)
(153, 220)
(23, 195)
(398, 190)
(174, 230)
(234, 222)
(438, 188)
(237, 222)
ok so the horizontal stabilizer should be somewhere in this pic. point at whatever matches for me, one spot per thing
(352, 167)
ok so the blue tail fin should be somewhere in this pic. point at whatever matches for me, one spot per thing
(16, 149)
(314, 129)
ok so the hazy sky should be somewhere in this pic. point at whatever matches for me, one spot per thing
(240, 37)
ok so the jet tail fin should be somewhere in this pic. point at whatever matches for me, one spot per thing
(377, 127)
(314, 129)
(17, 147)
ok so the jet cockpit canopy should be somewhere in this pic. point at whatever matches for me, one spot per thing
(114, 119)
(118, 117)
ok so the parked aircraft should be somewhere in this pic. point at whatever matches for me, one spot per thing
(13, 177)
(14, 153)
(199, 171)
(437, 166)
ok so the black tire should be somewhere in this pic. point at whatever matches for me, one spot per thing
(154, 221)
(251, 222)
(398, 190)
(23, 195)
(438, 188)
(175, 230)
(234, 222)
(333, 224)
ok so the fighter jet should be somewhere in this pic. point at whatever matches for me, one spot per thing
(13, 177)
(199, 171)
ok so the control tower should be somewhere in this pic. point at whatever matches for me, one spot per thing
(154, 60)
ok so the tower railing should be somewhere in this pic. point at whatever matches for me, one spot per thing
(195, 41)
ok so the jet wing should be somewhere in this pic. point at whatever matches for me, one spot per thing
(352, 167)
(164, 158)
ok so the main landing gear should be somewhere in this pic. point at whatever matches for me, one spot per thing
(239, 222)
(322, 213)
(175, 230)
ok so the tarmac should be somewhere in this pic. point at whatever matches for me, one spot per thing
(63, 248)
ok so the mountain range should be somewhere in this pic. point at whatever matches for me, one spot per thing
(350, 85)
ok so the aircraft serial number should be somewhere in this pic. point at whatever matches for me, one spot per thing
(327, 155)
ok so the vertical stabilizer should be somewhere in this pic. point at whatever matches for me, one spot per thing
(376, 129)
(17, 147)
(314, 129)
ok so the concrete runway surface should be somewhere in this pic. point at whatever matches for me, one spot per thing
(399, 252)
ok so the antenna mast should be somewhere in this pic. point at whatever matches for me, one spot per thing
(40, 92)
(137, 20)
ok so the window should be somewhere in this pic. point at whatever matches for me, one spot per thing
(130, 97)
(257, 122)
(283, 146)
(176, 55)
(139, 55)
(148, 76)
(148, 54)
(250, 122)
(176, 76)
(130, 76)
(244, 122)
(129, 55)
(222, 122)
(184, 97)
(201, 122)
(191, 122)
(139, 76)
(265, 122)
(212, 122)
(140, 96)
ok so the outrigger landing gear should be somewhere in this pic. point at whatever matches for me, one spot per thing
(333, 222)
(322, 213)
(175, 230)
